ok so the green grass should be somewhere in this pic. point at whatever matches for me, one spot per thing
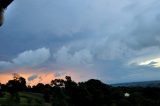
(26, 99)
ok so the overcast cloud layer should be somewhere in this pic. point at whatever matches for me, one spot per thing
(105, 39)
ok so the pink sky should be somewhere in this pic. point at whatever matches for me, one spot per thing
(43, 77)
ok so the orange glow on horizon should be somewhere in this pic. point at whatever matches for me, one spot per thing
(45, 77)
(42, 77)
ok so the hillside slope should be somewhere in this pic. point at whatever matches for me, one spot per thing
(139, 84)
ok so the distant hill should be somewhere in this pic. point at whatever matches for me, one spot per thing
(139, 84)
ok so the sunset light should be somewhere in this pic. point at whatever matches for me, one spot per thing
(152, 62)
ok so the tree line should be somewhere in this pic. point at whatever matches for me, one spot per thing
(66, 92)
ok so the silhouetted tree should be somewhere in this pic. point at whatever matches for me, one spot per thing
(101, 93)
(17, 84)
(38, 88)
(58, 83)
(66, 92)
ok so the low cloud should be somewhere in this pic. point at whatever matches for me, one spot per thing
(59, 74)
(32, 58)
(33, 77)
(77, 58)
(28, 58)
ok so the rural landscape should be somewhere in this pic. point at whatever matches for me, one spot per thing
(79, 52)
(66, 92)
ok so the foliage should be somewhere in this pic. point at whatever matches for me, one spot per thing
(66, 92)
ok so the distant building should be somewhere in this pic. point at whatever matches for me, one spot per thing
(126, 94)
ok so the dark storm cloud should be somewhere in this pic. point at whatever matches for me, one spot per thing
(105, 36)
(146, 31)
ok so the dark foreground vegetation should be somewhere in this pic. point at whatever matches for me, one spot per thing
(69, 93)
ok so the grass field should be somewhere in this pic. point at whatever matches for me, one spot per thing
(26, 99)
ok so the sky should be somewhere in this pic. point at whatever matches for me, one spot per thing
(111, 40)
